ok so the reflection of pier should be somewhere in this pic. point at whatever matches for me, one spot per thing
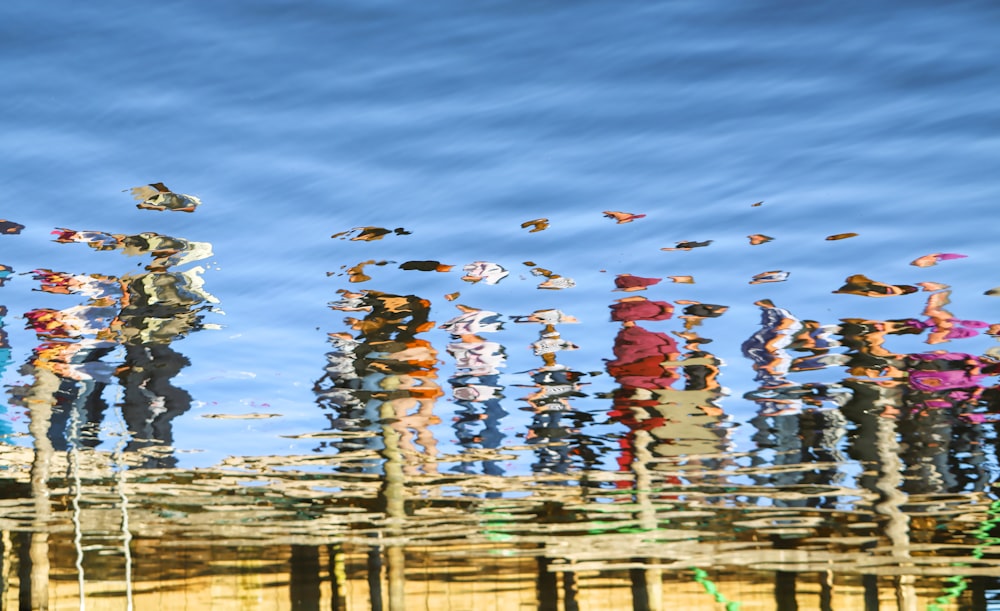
(385, 519)
(305, 537)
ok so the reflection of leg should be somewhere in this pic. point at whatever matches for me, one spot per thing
(547, 428)
(788, 451)
(150, 400)
(968, 439)
(75, 422)
(64, 399)
(492, 436)
(763, 438)
(424, 457)
(821, 433)
(465, 422)
(93, 415)
(863, 411)
(82, 379)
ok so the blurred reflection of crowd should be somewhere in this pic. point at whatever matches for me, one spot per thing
(119, 333)
(668, 394)
(385, 376)
(928, 408)
(668, 397)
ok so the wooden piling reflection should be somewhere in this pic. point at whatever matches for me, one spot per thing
(304, 584)
(40, 400)
(652, 578)
(897, 524)
(393, 491)
(338, 577)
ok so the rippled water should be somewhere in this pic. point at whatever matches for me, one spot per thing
(531, 305)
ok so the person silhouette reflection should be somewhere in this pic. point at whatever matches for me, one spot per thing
(794, 419)
(662, 419)
(136, 317)
(476, 384)
(386, 374)
(556, 426)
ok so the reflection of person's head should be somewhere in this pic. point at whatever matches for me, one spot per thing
(393, 316)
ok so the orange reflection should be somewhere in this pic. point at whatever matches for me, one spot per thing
(536, 225)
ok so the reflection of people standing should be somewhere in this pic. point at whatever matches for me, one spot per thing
(930, 400)
(159, 307)
(476, 383)
(944, 444)
(786, 420)
(74, 341)
(647, 366)
(5, 360)
(6, 228)
(385, 369)
(556, 427)
(142, 312)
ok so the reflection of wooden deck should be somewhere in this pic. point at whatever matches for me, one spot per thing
(283, 577)
(275, 578)
(248, 530)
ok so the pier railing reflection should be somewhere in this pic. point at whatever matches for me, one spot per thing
(645, 540)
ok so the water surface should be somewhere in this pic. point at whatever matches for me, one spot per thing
(556, 306)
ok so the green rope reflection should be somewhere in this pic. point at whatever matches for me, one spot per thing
(701, 577)
(983, 532)
(959, 583)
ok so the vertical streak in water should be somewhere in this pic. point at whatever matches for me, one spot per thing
(570, 589)
(126, 537)
(826, 591)
(546, 584)
(891, 478)
(6, 548)
(375, 575)
(395, 509)
(338, 578)
(118, 457)
(74, 465)
(40, 401)
(303, 579)
(870, 583)
(647, 513)
(785, 591)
